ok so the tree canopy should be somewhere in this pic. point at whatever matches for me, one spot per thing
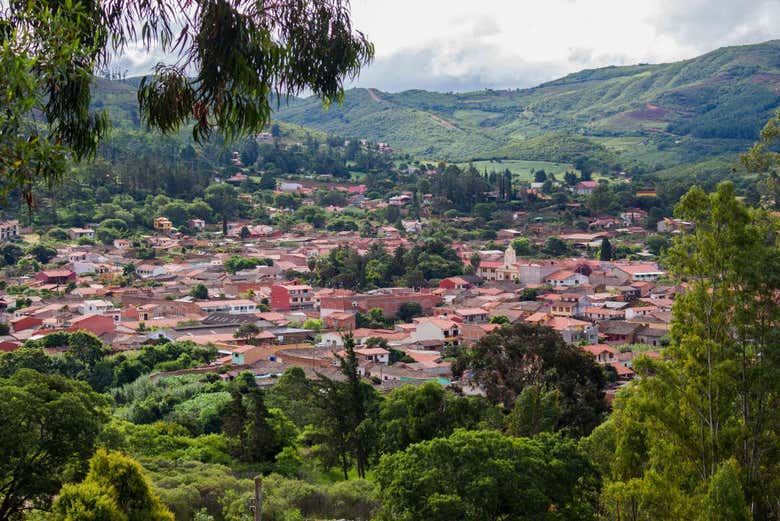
(481, 475)
(521, 355)
(48, 431)
(115, 489)
(697, 435)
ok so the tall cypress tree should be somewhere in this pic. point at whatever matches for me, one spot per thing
(606, 252)
(234, 425)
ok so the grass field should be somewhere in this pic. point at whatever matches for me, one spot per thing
(520, 168)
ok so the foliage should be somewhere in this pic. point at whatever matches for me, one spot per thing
(187, 486)
(573, 117)
(199, 291)
(247, 332)
(236, 263)
(605, 252)
(535, 411)
(165, 441)
(223, 80)
(346, 430)
(507, 361)
(115, 489)
(43, 253)
(255, 433)
(475, 475)
(344, 267)
(292, 394)
(48, 431)
(413, 414)
(703, 421)
(409, 310)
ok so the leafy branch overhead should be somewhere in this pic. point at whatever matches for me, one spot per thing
(226, 62)
(235, 56)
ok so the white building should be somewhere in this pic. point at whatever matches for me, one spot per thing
(234, 307)
(9, 230)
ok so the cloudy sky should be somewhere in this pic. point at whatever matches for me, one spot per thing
(472, 44)
(458, 45)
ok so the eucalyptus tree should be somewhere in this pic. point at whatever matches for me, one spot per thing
(224, 65)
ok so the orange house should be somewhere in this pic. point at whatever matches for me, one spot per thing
(96, 324)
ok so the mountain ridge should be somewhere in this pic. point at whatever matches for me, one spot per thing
(725, 94)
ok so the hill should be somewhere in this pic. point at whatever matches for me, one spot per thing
(711, 104)
(120, 98)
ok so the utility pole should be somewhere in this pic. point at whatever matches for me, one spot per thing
(258, 498)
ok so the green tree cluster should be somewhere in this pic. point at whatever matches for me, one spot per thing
(696, 436)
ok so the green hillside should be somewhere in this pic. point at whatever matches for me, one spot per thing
(120, 98)
(725, 95)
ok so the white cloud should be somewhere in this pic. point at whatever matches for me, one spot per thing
(462, 45)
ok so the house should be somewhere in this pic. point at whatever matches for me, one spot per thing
(454, 283)
(6, 346)
(639, 272)
(508, 234)
(92, 307)
(634, 216)
(375, 355)
(585, 187)
(236, 179)
(472, 315)
(290, 187)
(389, 300)
(400, 200)
(247, 355)
(565, 278)
(430, 328)
(340, 320)
(411, 226)
(572, 330)
(490, 270)
(562, 308)
(667, 225)
(471, 333)
(642, 310)
(595, 313)
(619, 331)
(285, 297)
(90, 267)
(96, 324)
(604, 223)
(150, 270)
(197, 224)
(651, 336)
(25, 322)
(603, 353)
(55, 276)
(9, 230)
(624, 374)
(163, 224)
(81, 233)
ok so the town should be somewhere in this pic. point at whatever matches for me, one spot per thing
(613, 309)
(270, 261)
